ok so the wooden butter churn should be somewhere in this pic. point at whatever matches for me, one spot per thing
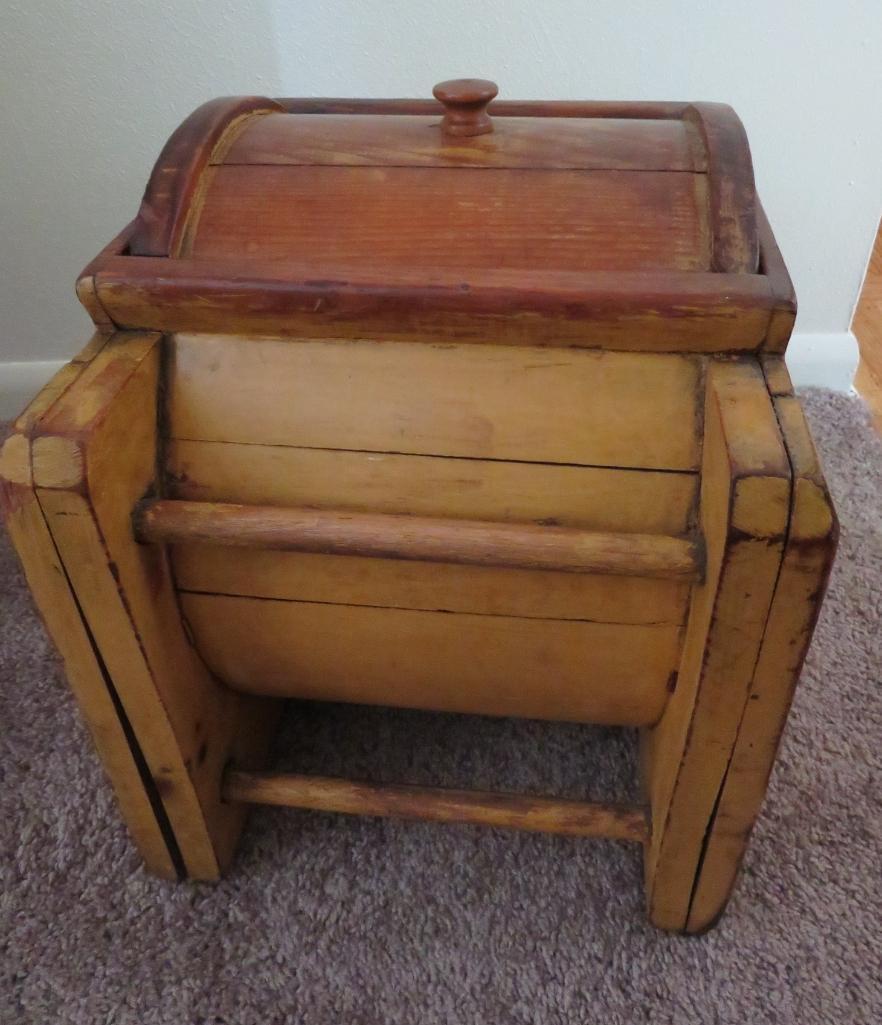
(448, 404)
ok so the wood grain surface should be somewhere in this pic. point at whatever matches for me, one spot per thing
(395, 583)
(744, 510)
(608, 673)
(805, 569)
(458, 218)
(175, 180)
(516, 142)
(94, 456)
(437, 804)
(483, 402)
(661, 311)
(417, 538)
(590, 497)
(118, 746)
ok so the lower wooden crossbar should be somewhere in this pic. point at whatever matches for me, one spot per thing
(510, 811)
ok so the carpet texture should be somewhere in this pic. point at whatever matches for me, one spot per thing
(330, 919)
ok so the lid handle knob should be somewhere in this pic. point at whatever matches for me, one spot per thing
(465, 105)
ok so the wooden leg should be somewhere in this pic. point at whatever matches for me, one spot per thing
(808, 557)
(62, 616)
(744, 510)
(94, 454)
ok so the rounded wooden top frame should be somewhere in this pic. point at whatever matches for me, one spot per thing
(203, 137)
(166, 271)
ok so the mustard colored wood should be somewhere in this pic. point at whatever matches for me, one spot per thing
(104, 429)
(472, 360)
(589, 497)
(744, 510)
(467, 401)
(535, 668)
(62, 615)
(395, 583)
(805, 568)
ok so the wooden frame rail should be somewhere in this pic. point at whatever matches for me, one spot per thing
(632, 311)
(436, 804)
(426, 539)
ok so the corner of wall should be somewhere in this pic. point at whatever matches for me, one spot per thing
(823, 360)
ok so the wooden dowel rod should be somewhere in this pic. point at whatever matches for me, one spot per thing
(472, 542)
(508, 811)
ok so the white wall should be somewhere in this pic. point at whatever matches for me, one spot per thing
(91, 90)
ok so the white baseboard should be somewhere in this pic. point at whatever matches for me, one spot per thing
(20, 382)
(822, 360)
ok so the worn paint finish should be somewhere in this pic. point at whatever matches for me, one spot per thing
(437, 804)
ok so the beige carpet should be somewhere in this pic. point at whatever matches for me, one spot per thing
(337, 920)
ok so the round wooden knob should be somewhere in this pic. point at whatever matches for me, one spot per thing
(465, 105)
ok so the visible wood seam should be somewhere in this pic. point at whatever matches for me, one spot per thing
(536, 168)
(182, 241)
(817, 609)
(87, 292)
(83, 433)
(147, 781)
(417, 106)
(431, 612)
(716, 803)
(154, 798)
(161, 490)
(434, 455)
(730, 543)
(182, 245)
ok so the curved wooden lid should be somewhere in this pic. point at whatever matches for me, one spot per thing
(238, 170)
(615, 225)
(177, 173)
